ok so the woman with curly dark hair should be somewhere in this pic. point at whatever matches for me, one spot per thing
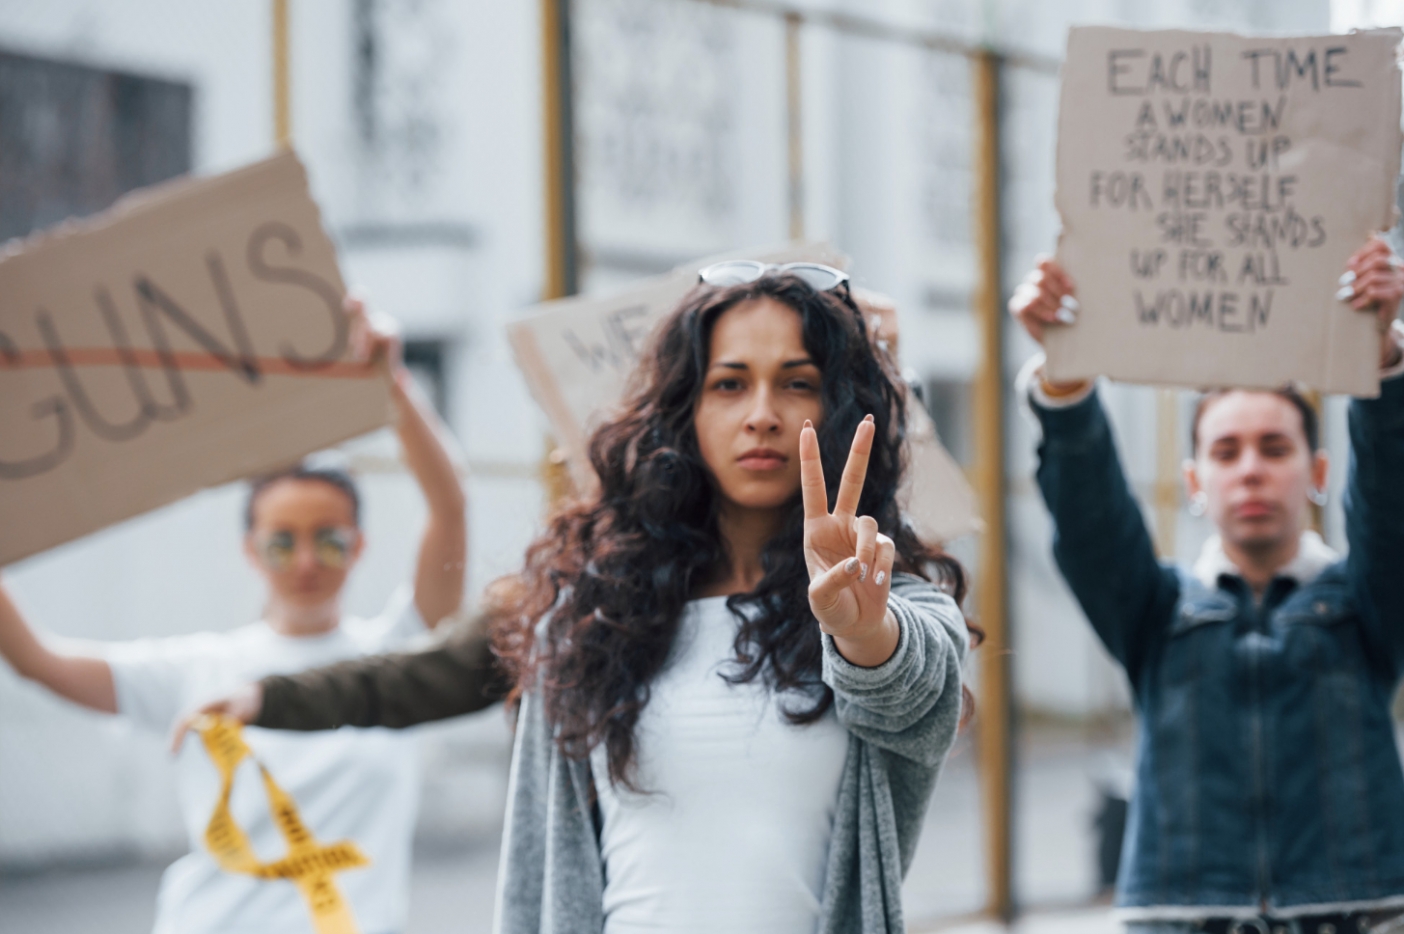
(735, 688)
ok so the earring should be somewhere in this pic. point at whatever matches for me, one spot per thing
(1198, 504)
(1317, 496)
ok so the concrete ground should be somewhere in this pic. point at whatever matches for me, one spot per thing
(1068, 921)
(454, 875)
(452, 892)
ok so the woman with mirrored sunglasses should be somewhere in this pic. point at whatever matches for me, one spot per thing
(303, 536)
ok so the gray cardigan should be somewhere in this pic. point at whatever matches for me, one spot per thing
(901, 718)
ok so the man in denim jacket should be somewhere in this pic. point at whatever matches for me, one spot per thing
(1269, 794)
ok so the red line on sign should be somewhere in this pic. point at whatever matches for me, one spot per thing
(183, 360)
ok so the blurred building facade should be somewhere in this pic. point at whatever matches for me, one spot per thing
(420, 123)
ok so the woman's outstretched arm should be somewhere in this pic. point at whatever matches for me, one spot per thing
(455, 677)
(83, 679)
(458, 675)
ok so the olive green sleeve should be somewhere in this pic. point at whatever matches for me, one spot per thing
(457, 675)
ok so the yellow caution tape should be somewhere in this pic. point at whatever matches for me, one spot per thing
(308, 864)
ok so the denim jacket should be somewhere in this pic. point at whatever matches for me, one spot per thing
(1267, 778)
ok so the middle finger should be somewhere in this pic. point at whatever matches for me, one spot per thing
(1372, 287)
(1374, 277)
(856, 470)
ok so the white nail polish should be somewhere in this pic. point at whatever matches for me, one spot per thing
(1070, 303)
(1345, 293)
(1347, 277)
(1065, 316)
(863, 574)
(851, 565)
(879, 577)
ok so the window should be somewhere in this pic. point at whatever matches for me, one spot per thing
(425, 361)
(948, 403)
(73, 139)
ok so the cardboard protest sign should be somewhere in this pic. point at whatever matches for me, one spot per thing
(577, 355)
(935, 494)
(1211, 188)
(191, 335)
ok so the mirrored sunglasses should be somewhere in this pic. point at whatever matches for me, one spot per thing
(817, 276)
(332, 547)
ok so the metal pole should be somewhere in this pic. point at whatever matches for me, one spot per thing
(558, 140)
(852, 24)
(282, 95)
(794, 116)
(994, 709)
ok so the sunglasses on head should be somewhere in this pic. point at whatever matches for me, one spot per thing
(817, 276)
(331, 545)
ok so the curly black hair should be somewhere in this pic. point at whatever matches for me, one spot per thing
(603, 589)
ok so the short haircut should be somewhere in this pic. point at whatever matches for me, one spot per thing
(331, 476)
(1305, 409)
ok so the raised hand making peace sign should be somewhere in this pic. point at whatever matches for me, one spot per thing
(850, 561)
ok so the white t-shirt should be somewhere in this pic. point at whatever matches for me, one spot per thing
(732, 833)
(349, 784)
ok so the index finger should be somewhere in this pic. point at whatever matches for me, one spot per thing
(815, 495)
(1375, 245)
(1055, 270)
(856, 470)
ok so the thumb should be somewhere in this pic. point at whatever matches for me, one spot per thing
(187, 723)
(825, 590)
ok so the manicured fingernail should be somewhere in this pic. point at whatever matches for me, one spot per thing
(1065, 316)
(879, 577)
(1070, 303)
(864, 575)
(851, 565)
(1345, 293)
(808, 423)
(867, 418)
(1347, 277)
